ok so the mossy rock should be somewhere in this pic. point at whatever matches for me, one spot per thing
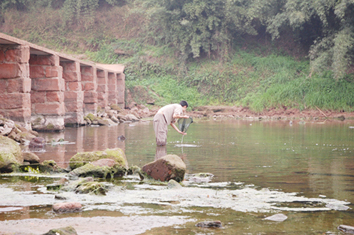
(83, 158)
(99, 171)
(62, 231)
(91, 117)
(10, 155)
(97, 188)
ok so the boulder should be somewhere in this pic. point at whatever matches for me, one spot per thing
(30, 157)
(10, 155)
(62, 231)
(346, 229)
(83, 158)
(166, 168)
(67, 207)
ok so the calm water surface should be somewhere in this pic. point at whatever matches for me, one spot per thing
(312, 159)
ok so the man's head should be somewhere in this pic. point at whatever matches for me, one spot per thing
(184, 103)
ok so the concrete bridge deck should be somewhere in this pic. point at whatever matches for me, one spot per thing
(36, 82)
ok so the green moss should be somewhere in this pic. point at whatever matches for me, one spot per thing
(50, 126)
(91, 117)
(103, 172)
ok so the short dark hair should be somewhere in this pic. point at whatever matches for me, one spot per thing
(183, 103)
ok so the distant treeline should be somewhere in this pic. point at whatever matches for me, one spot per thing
(325, 28)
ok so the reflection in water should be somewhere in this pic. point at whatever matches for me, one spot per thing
(160, 151)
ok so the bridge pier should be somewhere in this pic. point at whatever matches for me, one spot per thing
(15, 84)
(40, 87)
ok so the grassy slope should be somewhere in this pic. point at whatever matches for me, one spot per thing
(255, 77)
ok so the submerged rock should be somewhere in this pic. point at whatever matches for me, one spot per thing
(37, 143)
(166, 168)
(10, 155)
(172, 184)
(67, 207)
(83, 158)
(346, 229)
(209, 224)
(62, 231)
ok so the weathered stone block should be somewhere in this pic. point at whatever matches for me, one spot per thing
(50, 108)
(21, 85)
(53, 71)
(20, 54)
(55, 96)
(9, 70)
(37, 71)
(102, 88)
(90, 97)
(14, 100)
(89, 86)
(38, 97)
(74, 86)
(47, 84)
(3, 86)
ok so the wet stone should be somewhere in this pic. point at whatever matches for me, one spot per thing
(67, 207)
(209, 224)
(166, 168)
(346, 229)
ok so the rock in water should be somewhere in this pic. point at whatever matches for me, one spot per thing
(277, 217)
(62, 231)
(10, 155)
(67, 207)
(209, 224)
(346, 229)
(166, 168)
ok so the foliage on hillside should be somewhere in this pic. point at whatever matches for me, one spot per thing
(254, 53)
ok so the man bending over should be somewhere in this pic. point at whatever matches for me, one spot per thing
(167, 115)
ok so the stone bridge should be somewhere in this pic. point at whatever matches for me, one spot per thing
(36, 82)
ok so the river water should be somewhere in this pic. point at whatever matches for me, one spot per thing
(304, 170)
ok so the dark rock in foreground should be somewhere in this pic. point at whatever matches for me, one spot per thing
(209, 224)
(166, 168)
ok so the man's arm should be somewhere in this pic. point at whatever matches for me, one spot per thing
(177, 116)
(174, 127)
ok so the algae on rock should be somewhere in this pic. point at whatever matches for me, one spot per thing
(83, 158)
